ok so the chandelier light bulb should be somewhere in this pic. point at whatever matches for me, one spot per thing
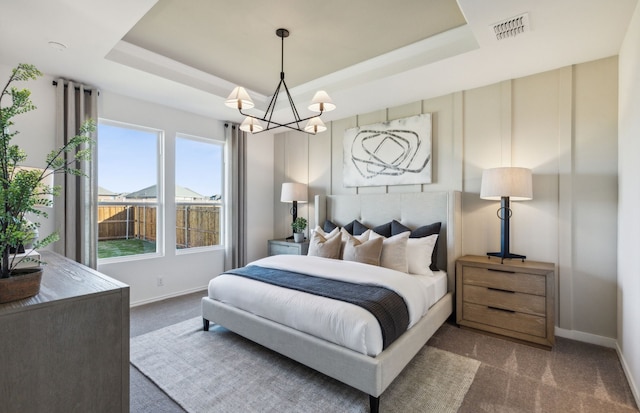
(251, 125)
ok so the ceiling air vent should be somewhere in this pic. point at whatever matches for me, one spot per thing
(511, 27)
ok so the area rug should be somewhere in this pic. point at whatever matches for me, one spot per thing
(219, 371)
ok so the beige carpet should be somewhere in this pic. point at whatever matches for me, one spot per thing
(218, 371)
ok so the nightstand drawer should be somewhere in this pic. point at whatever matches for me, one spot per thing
(509, 320)
(505, 280)
(284, 249)
(507, 300)
(511, 298)
(281, 246)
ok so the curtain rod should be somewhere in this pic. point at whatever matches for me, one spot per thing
(89, 91)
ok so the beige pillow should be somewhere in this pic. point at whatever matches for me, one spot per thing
(394, 251)
(419, 252)
(320, 246)
(367, 252)
(327, 235)
(345, 236)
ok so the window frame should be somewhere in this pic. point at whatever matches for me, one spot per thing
(160, 199)
(223, 192)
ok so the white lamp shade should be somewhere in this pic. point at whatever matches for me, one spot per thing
(46, 200)
(239, 99)
(512, 182)
(293, 191)
(315, 125)
(251, 125)
(321, 102)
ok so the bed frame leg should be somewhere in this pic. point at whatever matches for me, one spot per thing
(374, 404)
(205, 324)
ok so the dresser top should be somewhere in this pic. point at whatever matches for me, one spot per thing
(508, 264)
(65, 279)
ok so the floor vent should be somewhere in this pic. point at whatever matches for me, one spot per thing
(511, 27)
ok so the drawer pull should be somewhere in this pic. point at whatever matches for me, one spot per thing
(501, 290)
(500, 309)
(505, 271)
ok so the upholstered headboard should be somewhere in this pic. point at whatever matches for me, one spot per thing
(410, 209)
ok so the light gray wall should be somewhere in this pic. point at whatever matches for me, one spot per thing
(629, 205)
(563, 125)
(190, 271)
(180, 272)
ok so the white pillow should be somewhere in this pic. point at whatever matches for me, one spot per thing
(394, 251)
(419, 252)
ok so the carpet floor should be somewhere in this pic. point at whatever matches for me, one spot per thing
(512, 377)
(219, 371)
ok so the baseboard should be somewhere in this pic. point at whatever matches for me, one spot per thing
(164, 297)
(586, 337)
(627, 372)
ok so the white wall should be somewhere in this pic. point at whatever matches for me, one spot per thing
(563, 125)
(181, 273)
(192, 271)
(260, 194)
(629, 204)
(37, 129)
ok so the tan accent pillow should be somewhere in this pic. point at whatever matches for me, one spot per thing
(367, 252)
(345, 236)
(394, 251)
(327, 235)
(320, 246)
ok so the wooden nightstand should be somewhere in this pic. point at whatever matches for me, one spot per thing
(284, 246)
(514, 299)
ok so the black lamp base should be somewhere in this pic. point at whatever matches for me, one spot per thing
(506, 255)
(504, 213)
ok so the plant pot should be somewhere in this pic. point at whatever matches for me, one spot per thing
(298, 237)
(23, 283)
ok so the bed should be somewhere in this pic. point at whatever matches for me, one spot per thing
(370, 373)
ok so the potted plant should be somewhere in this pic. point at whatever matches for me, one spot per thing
(24, 190)
(298, 227)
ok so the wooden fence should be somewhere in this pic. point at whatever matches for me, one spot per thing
(197, 225)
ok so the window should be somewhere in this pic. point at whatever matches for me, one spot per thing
(129, 190)
(199, 183)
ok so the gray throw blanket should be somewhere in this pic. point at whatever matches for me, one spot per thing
(386, 305)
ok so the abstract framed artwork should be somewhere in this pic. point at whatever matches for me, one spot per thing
(388, 153)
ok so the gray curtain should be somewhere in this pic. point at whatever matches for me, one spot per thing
(236, 205)
(76, 209)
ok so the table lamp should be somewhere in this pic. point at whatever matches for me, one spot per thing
(505, 184)
(293, 192)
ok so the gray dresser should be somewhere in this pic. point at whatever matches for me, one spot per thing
(67, 348)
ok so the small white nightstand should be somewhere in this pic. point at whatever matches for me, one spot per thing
(284, 246)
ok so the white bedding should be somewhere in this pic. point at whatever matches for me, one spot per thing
(342, 323)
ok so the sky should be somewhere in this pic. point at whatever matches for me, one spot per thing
(128, 161)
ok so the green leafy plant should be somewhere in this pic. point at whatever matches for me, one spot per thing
(299, 225)
(23, 191)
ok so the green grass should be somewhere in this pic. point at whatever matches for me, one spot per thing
(121, 248)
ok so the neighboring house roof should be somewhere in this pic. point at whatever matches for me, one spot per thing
(105, 192)
(152, 192)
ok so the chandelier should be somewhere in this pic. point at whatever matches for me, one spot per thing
(240, 99)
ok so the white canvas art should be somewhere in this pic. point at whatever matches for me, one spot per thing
(389, 153)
